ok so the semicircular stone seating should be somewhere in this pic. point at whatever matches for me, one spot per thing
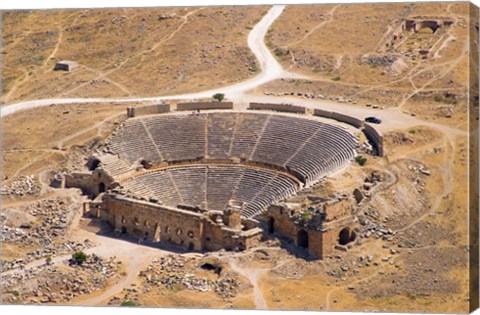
(308, 149)
(212, 187)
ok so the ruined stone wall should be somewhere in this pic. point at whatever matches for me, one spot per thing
(204, 105)
(89, 183)
(148, 110)
(375, 137)
(329, 240)
(337, 210)
(282, 223)
(284, 226)
(316, 243)
(321, 239)
(79, 180)
(322, 113)
(251, 238)
(278, 107)
(158, 223)
(358, 123)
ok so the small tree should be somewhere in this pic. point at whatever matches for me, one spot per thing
(79, 257)
(219, 96)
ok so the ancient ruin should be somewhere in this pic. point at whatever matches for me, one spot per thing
(318, 157)
(204, 187)
(66, 65)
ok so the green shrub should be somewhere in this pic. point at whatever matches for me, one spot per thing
(278, 53)
(361, 160)
(15, 292)
(79, 257)
(437, 98)
(254, 69)
(129, 303)
(337, 78)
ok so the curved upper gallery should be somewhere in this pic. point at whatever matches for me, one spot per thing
(306, 148)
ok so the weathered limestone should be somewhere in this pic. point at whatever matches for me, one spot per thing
(317, 229)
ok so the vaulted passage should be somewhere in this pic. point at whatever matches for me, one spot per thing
(271, 225)
(302, 239)
(345, 236)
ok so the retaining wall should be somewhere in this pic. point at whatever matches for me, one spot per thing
(375, 137)
(278, 107)
(204, 105)
(147, 110)
(358, 123)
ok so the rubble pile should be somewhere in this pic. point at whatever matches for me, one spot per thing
(171, 272)
(24, 186)
(47, 234)
(58, 284)
(50, 251)
(371, 228)
(293, 270)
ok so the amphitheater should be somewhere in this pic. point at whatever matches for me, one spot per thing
(200, 180)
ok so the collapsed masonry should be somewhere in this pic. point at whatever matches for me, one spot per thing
(319, 229)
(419, 24)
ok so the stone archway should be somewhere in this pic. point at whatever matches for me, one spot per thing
(101, 188)
(271, 225)
(344, 236)
(94, 164)
(302, 238)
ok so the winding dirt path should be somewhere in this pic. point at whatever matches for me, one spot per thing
(253, 275)
(271, 70)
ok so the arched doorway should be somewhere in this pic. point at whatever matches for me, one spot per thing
(156, 236)
(94, 164)
(145, 164)
(101, 188)
(302, 239)
(344, 236)
(271, 225)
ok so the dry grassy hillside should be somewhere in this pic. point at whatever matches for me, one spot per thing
(126, 52)
(361, 52)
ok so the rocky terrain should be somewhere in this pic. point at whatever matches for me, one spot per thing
(59, 284)
(41, 228)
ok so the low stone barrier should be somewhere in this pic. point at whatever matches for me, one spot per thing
(278, 107)
(375, 137)
(148, 110)
(204, 105)
(322, 113)
(357, 123)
